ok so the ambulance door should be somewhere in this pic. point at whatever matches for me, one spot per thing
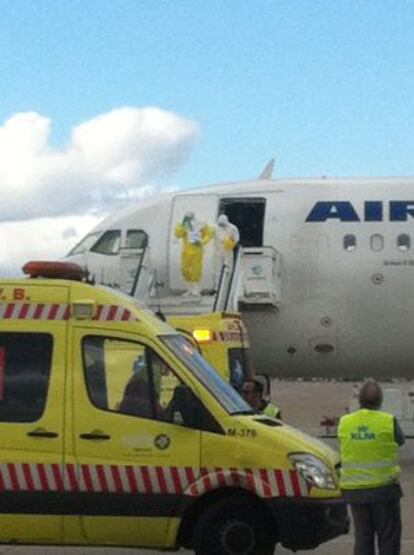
(32, 395)
(133, 462)
(205, 209)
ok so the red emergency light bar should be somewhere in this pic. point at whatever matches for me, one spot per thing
(55, 270)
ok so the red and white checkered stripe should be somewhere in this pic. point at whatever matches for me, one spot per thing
(263, 482)
(39, 311)
(112, 312)
(148, 479)
(228, 336)
(34, 311)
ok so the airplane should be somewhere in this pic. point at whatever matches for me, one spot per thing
(334, 258)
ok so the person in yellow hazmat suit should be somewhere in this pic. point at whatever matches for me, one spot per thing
(195, 235)
(226, 237)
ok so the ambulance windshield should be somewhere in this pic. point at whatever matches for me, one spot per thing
(207, 375)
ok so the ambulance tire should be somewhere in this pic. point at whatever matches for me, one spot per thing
(235, 526)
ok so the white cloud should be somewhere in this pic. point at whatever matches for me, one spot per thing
(40, 239)
(52, 196)
(111, 156)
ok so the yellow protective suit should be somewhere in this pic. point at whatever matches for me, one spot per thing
(192, 252)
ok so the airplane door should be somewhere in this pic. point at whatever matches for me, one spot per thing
(205, 208)
(247, 214)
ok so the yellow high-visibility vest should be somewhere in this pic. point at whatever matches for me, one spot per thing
(271, 410)
(368, 448)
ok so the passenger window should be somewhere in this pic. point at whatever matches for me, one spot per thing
(350, 243)
(136, 239)
(403, 242)
(128, 378)
(108, 243)
(377, 242)
(24, 375)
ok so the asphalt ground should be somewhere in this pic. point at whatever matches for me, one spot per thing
(315, 401)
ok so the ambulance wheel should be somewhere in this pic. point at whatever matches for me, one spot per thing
(234, 526)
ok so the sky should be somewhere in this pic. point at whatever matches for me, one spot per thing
(105, 102)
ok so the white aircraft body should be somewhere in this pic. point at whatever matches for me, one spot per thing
(344, 302)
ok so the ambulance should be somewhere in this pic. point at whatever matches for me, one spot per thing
(222, 340)
(92, 451)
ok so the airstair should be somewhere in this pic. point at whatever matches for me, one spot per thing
(137, 277)
(252, 283)
(260, 276)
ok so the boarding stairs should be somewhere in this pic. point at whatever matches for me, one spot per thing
(252, 283)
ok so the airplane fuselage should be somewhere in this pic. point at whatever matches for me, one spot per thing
(347, 275)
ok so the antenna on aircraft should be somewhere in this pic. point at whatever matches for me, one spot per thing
(268, 171)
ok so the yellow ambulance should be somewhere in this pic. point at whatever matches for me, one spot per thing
(93, 453)
(222, 340)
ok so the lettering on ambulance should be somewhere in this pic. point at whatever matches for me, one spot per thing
(17, 294)
(344, 211)
(244, 432)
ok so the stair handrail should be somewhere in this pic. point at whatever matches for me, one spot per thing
(138, 272)
(218, 293)
(234, 273)
(226, 286)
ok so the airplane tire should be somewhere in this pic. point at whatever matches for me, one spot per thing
(235, 526)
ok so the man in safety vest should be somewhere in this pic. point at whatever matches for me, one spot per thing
(369, 441)
(252, 391)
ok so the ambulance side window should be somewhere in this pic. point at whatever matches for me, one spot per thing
(24, 375)
(127, 377)
(238, 364)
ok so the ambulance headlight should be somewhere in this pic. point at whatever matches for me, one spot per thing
(313, 470)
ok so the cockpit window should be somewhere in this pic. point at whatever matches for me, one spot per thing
(136, 239)
(86, 243)
(108, 243)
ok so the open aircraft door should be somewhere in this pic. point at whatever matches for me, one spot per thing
(205, 209)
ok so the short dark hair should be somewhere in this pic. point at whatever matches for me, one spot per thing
(258, 386)
(370, 395)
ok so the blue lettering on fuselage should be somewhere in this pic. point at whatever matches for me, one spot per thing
(373, 211)
(344, 211)
(339, 210)
(400, 210)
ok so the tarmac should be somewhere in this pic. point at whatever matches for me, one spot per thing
(303, 405)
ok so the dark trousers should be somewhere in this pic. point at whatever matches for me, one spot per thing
(377, 520)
